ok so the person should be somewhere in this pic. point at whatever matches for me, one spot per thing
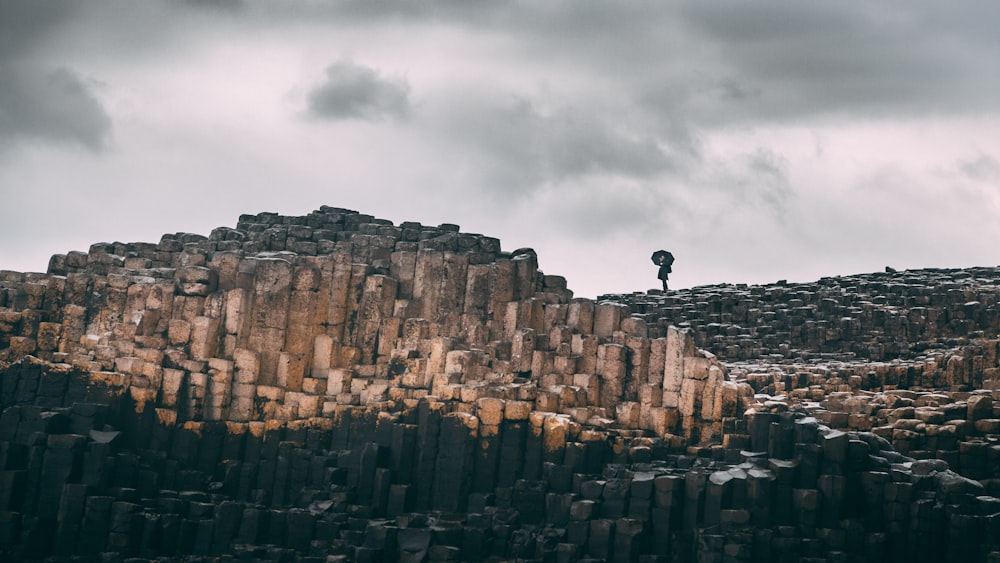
(664, 260)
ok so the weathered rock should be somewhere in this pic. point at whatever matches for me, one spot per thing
(333, 386)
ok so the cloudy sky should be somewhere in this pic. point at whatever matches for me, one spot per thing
(757, 141)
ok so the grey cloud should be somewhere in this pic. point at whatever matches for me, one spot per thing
(39, 101)
(984, 167)
(24, 23)
(803, 59)
(609, 208)
(53, 106)
(523, 146)
(352, 91)
(732, 61)
(752, 183)
(726, 62)
(226, 5)
(768, 179)
(580, 144)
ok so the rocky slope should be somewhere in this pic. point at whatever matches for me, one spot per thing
(336, 387)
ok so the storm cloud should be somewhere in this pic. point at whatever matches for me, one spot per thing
(352, 91)
(41, 101)
(56, 105)
(757, 141)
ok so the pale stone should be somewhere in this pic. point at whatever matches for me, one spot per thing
(309, 406)
(565, 364)
(556, 430)
(651, 395)
(179, 332)
(314, 386)
(634, 327)
(677, 349)
(584, 347)
(458, 362)
(302, 324)
(204, 338)
(469, 394)
(270, 393)
(590, 385)
(439, 355)
(375, 391)
(548, 401)
(580, 316)
(627, 414)
(490, 410)
(696, 368)
(517, 410)
(691, 396)
(291, 371)
(608, 317)
(522, 349)
(171, 385)
(377, 301)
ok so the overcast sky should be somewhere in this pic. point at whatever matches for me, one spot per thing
(757, 141)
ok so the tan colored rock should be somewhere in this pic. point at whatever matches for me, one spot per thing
(314, 386)
(635, 327)
(517, 410)
(375, 391)
(692, 391)
(308, 406)
(627, 414)
(339, 381)
(170, 386)
(303, 319)
(584, 347)
(566, 365)
(204, 338)
(556, 430)
(679, 347)
(651, 395)
(469, 394)
(548, 401)
(270, 393)
(389, 333)
(490, 411)
(416, 374)
(461, 363)
(291, 371)
(580, 316)
(611, 361)
(590, 385)
(377, 300)
(48, 336)
(179, 332)
(339, 290)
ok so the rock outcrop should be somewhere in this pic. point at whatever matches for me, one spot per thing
(336, 387)
(291, 318)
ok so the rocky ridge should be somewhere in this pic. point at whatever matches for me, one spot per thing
(336, 387)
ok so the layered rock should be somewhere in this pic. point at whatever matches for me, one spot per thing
(336, 387)
(286, 318)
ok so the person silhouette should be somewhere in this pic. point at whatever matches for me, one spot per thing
(664, 260)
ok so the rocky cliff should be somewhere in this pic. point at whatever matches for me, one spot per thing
(336, 387)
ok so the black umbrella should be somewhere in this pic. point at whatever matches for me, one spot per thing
(664, 256)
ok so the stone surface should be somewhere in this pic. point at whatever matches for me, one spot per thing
(337, 387)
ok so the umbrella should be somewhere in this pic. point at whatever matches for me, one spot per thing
(667, 258)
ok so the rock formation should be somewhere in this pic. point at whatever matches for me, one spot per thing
(336, 387)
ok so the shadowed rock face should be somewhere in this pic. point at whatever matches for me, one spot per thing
(336, 386)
